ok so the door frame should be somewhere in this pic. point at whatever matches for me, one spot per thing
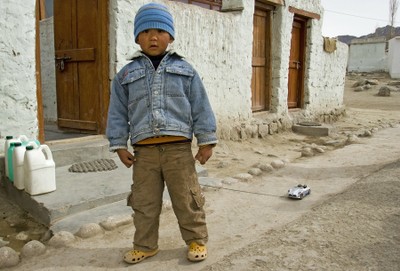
(302, 52)
(39, 9)
(260, 5)
(104, 66)
(305, 16)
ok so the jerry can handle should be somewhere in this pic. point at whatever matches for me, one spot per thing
(47, 151)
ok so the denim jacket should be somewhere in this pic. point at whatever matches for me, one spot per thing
(146, 102)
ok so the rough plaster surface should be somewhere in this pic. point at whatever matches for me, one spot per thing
(368, 57)
(48, 73)
(18, 107)
(394, 56)
(219, 45)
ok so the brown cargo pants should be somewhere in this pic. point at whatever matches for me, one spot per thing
(174, 165)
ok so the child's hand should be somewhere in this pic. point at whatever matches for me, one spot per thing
(204, 154)
(126, 157)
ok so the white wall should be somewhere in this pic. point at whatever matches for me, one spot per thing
(368, 56)
(324, 72)
(18, 102)
(218, 44)
(394, 57)
(48, 73)
(325, 77)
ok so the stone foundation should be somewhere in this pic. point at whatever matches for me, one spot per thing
(264, 126)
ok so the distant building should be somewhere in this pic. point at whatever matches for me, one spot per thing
(394, 57)
(375, 55)
(368, 55)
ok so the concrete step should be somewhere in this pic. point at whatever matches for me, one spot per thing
(311, 129)
(75, 150)
(74, 222)
(118, 210)
(78, 194)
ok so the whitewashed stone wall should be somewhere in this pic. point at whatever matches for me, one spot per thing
(48, 72)
(324, 72)
(325, 75)
(18, 103)
(325, 80)
(368, 55)
(394, 57)
(218, 44)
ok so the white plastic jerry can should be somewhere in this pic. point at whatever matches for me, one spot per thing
(18, 162)
(10, 160)
(7, 144)
(39, 170)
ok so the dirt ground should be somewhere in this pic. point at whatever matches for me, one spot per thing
(322, 234)
(364, 111)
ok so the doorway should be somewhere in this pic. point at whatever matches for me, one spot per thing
(79, 92)
(78, 31)
(261, 60)
(296, 63)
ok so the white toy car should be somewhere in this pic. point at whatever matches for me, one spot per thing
(299, 191)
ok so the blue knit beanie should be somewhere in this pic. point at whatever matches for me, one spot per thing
(154, 16)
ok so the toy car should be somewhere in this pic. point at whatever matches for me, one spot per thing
(299, 191)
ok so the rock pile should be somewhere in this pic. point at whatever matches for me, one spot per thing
(384, 91)
(364, 84)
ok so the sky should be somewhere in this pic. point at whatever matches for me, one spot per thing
(355, 17)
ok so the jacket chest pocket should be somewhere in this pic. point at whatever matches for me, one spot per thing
(177, 81)
(135, 81)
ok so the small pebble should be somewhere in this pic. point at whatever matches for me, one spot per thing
(33, 248)
(266, 167)
(113, 222)
(22, 236)
(61, 239)
(229, 181)
(89, 230)
(255, 171)
(8, 257)
(307, 152)
(243, 176)
(277, 164)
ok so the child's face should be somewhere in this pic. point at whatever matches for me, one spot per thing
(154, 42)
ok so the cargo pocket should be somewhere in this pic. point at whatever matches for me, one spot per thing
(198, 196)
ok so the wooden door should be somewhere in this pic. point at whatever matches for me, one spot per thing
(296, 64)
(80, 40)
(260, 81)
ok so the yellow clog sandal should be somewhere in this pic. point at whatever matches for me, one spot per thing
(196, 252)
(136, 256)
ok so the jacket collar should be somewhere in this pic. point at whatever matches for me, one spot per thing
(139, 53)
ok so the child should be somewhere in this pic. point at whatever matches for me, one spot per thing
(158, 101)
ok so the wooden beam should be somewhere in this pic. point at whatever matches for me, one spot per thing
(77, 124)
(304, 13)
(42, 10)
(105, 72)
(263, 5)
(274, 2)
(38, 76)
